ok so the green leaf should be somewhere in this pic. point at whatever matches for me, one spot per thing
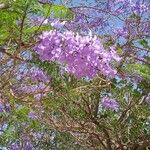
(143, 42)
(37, 28)
(34, 124)
(139, 69)
(58, 11)
(8, 25)
(119, 49)
(9, 133)
(3, 35)
(22, 113)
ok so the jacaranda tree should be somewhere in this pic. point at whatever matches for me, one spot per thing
(75, 75)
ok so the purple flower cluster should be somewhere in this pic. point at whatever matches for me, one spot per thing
(110, 104)
(139, 7)
(148, 99)
(121, 32)
(27, 146)
(136, 6)
(35, 83)
(32, 115)
(83, 56)
(40, 20)
(2, 108)
(57, 23)
(31, 89)
(38, 75)
(14, 146)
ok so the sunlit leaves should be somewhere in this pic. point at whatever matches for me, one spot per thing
(139, 69)
(58, 11)
(143, 42)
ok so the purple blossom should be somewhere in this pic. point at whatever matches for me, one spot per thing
(40, 21)
(79, 23)
(139, 7)
(14, 146)
(32, 115)
(34, 83)
(148, 99)
(38, 75)
(38, 96)
(28, 146)
(110, 104)
(2, 107)
(83, 56)
(121, 32)
(37, 20)
(31, 89)
(7, 107)
(57, 23)
(114, 54)
(96, 22)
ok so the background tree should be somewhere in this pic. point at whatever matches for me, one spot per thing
(74, 75)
